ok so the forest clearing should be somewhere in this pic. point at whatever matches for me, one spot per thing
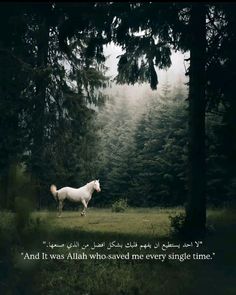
(130, 109)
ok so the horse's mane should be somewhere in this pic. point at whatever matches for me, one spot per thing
(90, 181)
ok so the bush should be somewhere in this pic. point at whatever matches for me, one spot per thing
(177, 223)
(181, 228)
(119, 206)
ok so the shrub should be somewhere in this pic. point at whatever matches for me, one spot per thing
(182, 229)
(119, 206)
(177, 223)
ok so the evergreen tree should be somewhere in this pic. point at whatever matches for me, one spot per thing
(116, 146)
(161, 152)
(54, 93)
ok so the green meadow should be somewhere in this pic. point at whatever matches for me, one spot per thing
(27, 234)
(146, 222)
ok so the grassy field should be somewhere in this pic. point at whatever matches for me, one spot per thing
(88, 277)
(148, 222)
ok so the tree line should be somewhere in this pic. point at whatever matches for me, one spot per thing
(142, 151)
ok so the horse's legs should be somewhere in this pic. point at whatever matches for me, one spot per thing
(85, 207)
(60, 208)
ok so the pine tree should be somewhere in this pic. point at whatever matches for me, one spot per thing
(160, 140)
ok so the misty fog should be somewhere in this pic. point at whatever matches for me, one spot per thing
(175, 75)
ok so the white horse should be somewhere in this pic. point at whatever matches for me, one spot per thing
(82, 194)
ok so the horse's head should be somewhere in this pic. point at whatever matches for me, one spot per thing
(97, 186)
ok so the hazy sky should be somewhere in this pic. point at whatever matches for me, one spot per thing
(176, 73)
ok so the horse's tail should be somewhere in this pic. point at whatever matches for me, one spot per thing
(53, 190)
